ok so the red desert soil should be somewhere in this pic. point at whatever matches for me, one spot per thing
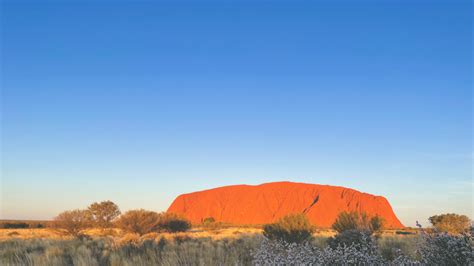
(266, 203)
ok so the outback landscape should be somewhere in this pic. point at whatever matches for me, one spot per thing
(228, 133)
(229, 226)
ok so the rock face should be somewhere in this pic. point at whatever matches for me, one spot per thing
(266, 203)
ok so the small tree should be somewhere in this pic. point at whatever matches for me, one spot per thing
(357, 221)
(171, 222)
(73, 221)
(139, 221)
(451, 223)
(104, 213)
(293, 228)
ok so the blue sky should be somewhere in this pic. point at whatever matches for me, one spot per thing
(139, 102)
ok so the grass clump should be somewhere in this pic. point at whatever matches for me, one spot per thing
(103, 251)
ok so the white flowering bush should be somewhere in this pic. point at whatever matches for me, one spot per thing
(282, 253)
(362, 252)
(403, 259)
(279, 252)
(445, 249)
(432, 249)
(349, 237)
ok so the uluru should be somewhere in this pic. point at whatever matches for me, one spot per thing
(266, 203)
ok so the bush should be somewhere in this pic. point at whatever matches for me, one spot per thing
(276, 252)
(139, 221)
(357, 221)
(445, 249)
(364, 252)
(208, 220)
(171, 222)
(376, 224)
(433, 249)
(73, 221)
(293, 228)
(210, 223)
(348, 237)
(103, 213)
(143, 222)
(451, 223)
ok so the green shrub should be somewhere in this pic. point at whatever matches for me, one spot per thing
(173, 223)
(139, 221)
(451, 223)
(358, 221)
(293, 228)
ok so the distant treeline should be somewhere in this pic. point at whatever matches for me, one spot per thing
(23, 224)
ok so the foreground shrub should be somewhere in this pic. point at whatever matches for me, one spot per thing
(348, 238)
(441, 249)
(451, 223)
(139, 221)
(365, 252)
(103, 213)
(430, 249)
(445, 249)
(277, 252)
(73, 222)
(173, 223)
(357, 221)
(293, 228)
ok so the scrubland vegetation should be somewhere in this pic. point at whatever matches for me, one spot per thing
(106, 215)
(15, 224)
(104, 251)
(102, 235)
(358, 242)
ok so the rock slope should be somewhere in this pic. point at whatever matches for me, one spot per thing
(266, 203)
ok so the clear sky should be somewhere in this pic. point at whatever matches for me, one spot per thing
(139, 102)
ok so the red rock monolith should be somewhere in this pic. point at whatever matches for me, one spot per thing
(266, 203)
